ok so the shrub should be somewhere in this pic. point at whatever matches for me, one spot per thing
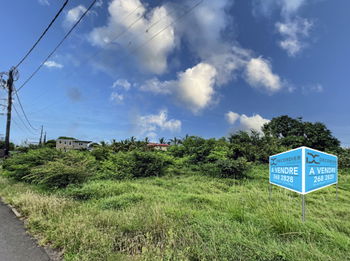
(237, 169)
(74, 168)
(19, 165)
(147, 164)
(116, 166)
(136, 164)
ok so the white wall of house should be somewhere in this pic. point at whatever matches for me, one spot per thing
(70, 144)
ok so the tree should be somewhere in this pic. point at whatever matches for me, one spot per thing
(50, 144)
(294, 133)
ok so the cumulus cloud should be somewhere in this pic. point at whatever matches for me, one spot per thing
(148, 125)
(116, 97)
(246, 123)
(254, 122)
(73, 15)
(122, 83)
(232, 117)
(193, 88)
(259, 74)
(292, 33)
(292, 29)
(53, 64)
(141, 24)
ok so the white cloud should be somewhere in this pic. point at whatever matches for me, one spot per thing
(44, 2)
(142, 24)
(232, 117)
(196, 86)
(148, 125)
(246, 123)
(316, 88)
(122, 83)
(116, 97)
(158, 87)
(259, 74)
(293, 29)
(292, 33)
(193, 88)
(254, 122)
(99, 3)
(53, 64)
(73, 15)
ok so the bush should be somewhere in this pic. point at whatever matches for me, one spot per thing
(237, 169)
(116, 166)
(134, 164)
(20, 165)
(147, 164)
(74, 168)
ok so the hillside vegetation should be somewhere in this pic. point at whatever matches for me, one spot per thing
(204, 199)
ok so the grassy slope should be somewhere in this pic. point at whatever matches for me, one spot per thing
(187, 218)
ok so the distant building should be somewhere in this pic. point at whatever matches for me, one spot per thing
(158, 146)
(72, 144)
(28, 143)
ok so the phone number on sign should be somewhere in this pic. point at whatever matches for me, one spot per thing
(285, 178)
(322, 178)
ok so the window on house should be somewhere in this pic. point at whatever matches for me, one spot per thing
(70, 143)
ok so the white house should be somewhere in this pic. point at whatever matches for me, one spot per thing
(71, 144)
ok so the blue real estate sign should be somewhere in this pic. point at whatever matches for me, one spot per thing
(286, 170)
(321, 170)
(303, 170)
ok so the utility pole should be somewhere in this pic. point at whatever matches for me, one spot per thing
(41, 136)
(9, 85)
(44, 138)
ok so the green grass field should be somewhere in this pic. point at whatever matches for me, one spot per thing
(188, 217)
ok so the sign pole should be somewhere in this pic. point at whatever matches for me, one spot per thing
(303, 207)
(336, 191)
(270, 191)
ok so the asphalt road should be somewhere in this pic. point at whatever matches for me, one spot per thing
(15, 244)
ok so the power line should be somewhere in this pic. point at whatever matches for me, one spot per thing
(59, 44)
(24, 113)
(170, 24)
(43, 34)
(24, 124)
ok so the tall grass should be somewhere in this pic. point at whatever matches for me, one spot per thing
(190, 217)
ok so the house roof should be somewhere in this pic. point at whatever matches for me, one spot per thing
(157, 145)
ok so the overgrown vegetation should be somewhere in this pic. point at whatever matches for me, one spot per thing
(203, 199)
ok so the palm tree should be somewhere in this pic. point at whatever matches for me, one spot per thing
(175, 141)
(162, 140)
(147, 140)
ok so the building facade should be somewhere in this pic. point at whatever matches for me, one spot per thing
(71, 144)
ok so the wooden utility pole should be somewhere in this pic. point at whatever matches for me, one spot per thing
(44, 138)
(9, 86)
(41, 136)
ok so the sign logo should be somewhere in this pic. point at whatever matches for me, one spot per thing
(313, 158)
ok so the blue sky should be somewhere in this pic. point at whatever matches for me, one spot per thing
(159, 69)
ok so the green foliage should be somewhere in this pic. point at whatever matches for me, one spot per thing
(21, 164)
(228, 168)
(148, 164)
(294, 133)
(253, 146)
(134, 164)
(344, 158)
(101, 152)
(50, 144)
(116, 166)
(2, 145)
(73, 168)
(121, 202)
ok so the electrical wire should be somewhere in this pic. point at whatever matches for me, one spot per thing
(59, 44)
(43, 34)
(22, 109)
(24, 124)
